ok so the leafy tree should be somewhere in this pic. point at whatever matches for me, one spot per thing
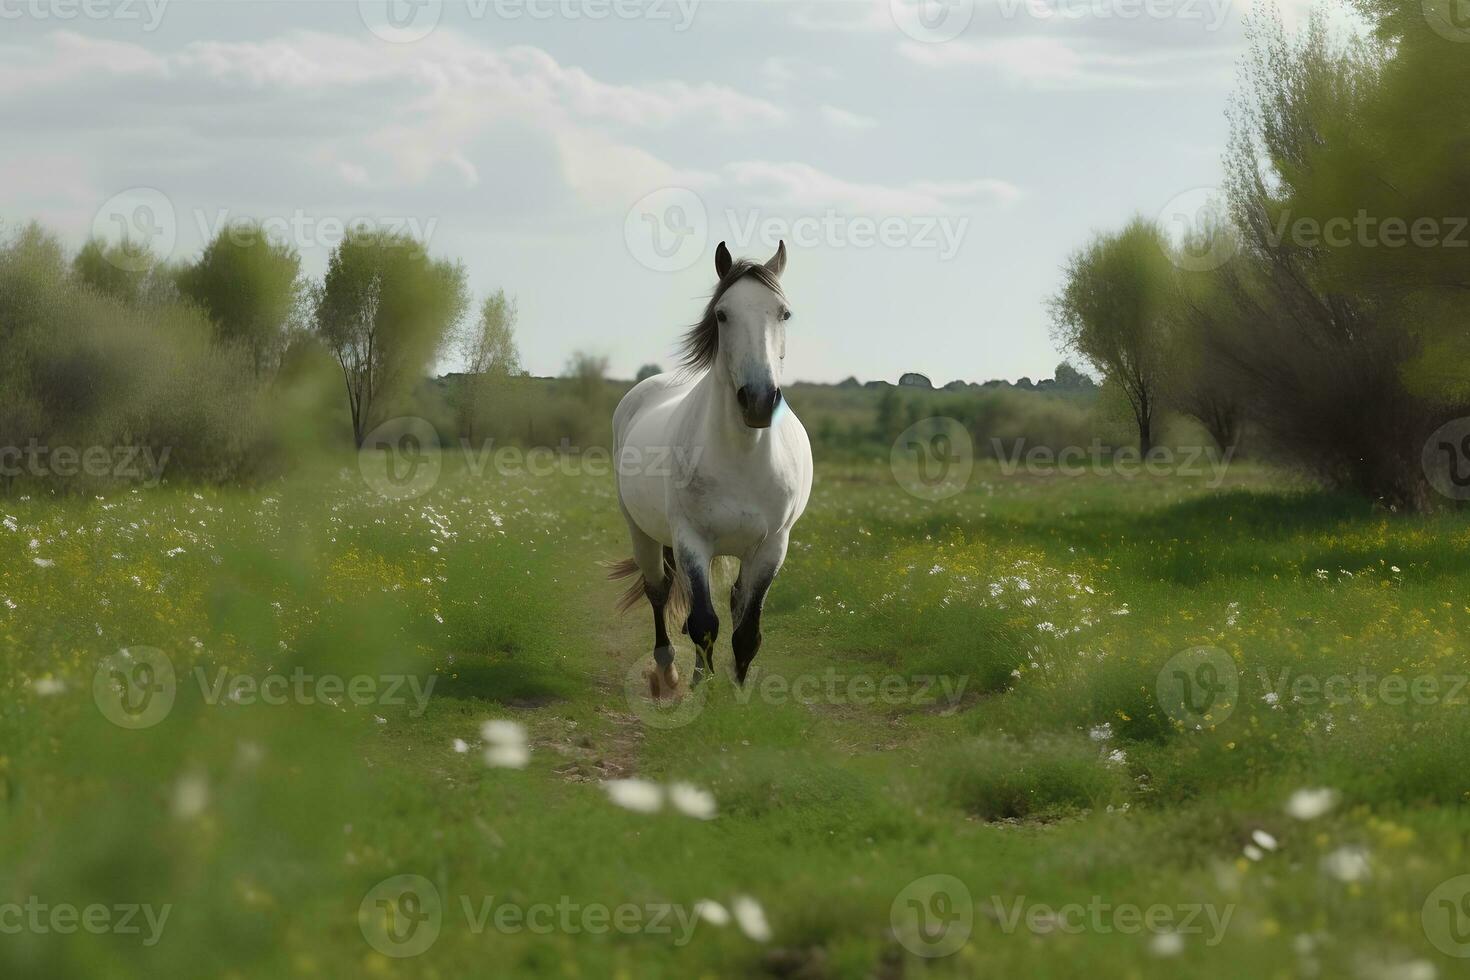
(1069, 378)
(887, 424)
(111, 269)
(250, 289)
(1114, 311)
(587, 373)
(488, 347)
(1206, 307)
(1318, 346)
(385, 309)
(648, 371)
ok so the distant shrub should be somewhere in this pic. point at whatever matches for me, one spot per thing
(88, 367)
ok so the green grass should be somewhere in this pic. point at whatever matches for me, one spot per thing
(967, 688)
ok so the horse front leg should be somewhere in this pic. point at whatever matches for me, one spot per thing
(748, 597)
(703, 626)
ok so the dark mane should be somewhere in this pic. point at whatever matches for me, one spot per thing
(699, 346)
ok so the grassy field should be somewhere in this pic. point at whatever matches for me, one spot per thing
(1092, 702)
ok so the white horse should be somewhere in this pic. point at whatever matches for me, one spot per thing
(712, 462)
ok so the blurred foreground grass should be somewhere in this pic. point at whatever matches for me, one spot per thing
(968, 688)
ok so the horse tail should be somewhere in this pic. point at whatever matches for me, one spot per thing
(676, 606)
(623, 569)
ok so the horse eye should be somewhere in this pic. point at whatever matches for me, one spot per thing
(785, 314)
(720, 315)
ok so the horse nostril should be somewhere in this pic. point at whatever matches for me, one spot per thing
(743, 396)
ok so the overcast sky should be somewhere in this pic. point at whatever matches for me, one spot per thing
(930, 167)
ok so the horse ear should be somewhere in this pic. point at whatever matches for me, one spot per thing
(777, 262)
(723, 261)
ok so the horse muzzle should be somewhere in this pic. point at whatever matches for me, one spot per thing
(758, 404)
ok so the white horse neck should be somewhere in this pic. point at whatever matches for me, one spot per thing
(717, 418)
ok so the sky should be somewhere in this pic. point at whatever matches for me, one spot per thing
(929, 163)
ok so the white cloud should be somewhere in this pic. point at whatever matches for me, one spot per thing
(802, 186)
(786, 74)
(1052, 62)
(839, 118)
(378, 116)
(843, 16)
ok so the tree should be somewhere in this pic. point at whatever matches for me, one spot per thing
(488, 347)
(1113, 311)
(1323, 334)
(1069, 378)
(587, 372)
(1206, 306)
(111, 269)
(249, 287)
(384, 310)
(647, 371)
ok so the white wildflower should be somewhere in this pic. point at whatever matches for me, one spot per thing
(692, 801)
(502, 731)
(638, 795)
(191, 796)
(507, 756)
(712, 912)
(1309, 804)
(1165, 944)
(1348, 863)
(751, 918)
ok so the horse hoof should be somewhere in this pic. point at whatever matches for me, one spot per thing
(663, 682)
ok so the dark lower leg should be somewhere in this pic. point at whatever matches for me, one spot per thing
(703, 626)
(747, 639)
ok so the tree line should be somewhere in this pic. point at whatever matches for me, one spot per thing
(211, 358)
(1322, 306)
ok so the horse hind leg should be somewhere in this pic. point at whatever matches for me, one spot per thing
(664, 678)
(656, 565)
